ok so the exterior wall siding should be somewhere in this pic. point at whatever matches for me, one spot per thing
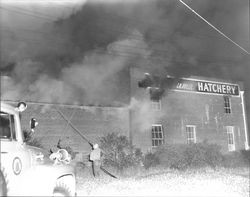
(92, 122)
(178, 109)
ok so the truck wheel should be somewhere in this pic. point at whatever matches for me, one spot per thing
(3, 185)
(61, 190)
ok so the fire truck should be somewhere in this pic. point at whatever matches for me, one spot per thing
(26, 170)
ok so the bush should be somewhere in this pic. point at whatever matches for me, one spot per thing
(119, 153)
(30, 140)
(237, 159)
(150, 160)
(172, 156)
(183, 156)
(246, 156)
(207, 155)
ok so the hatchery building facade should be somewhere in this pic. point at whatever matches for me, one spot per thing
(183, 110)
(190, 110)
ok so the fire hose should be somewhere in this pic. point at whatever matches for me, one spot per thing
(73, 127)
(83, 137)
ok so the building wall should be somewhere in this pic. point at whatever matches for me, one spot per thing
(92, 122)
(178, 109)
(181, 108)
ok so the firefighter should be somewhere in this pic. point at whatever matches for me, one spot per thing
(95, 158)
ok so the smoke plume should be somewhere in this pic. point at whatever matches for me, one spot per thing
(83, 54)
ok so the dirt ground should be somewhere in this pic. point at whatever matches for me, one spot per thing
(166, 182)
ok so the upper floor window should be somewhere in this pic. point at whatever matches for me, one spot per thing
(227, 105)
(191, 134)
(157, 135)
(156, 105)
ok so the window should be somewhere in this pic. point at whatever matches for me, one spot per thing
(191, 134)
(207, 113)
(156, 105)
(157, 135)
(227, 105)
(230, 138)
(12, 127)
(5, 126)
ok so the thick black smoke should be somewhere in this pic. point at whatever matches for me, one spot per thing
(161, 35)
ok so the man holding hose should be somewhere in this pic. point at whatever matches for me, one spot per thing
(95, 157)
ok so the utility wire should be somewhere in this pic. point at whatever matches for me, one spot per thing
(156, 52)
(115, 28)
(31, 12)
(49, 36)
(125, 54)
(119, 52)
(26, 13)
(235, 43)
(113, 15)
(108, 16)
(35, 41)
(133, 37)
(127, 18)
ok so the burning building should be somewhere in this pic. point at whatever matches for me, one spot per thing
(188, 110)
(162, 110)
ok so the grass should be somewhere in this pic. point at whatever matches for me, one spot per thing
(166, 182)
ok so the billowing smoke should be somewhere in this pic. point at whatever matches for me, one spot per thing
(83, 57)
(93, 81)
(144, 116)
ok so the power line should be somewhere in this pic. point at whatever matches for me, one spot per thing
(27, 13)
(220, 32)
(37, 42)
(33, 12)
(162, 26)
(41, 15)
(120, 53)
(48, 35)
(122, 32)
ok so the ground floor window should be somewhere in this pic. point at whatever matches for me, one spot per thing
(157, 135)
(230, 138)
(191, 134)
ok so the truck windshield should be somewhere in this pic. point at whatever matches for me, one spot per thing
(5, 125)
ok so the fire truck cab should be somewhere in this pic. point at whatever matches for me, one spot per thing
(26, 170)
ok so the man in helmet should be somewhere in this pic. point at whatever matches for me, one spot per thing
(95, 157)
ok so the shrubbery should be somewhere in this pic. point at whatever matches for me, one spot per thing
(150, 160)
(246, 156)
(183, 156)
(119, 153)
(237, 159)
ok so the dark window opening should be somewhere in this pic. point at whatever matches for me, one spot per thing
(227, 105)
